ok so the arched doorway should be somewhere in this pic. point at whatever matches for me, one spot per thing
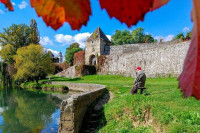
(92, 60)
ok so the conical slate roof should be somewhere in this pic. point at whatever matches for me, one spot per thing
(98, 33)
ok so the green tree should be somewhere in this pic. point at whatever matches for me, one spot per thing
(34, 35)
(50, 55)
(121, 37)
(138, 35)
(179, 36)
(70, 51)
(16, 35)
(32, 63)
(5, 79)
(73, 45)
(7, 53)
(149, 39)
(125, 37)
(188, 35)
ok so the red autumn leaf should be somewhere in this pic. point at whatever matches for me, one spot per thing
(56, 12)
(158, 3)
(8, 4)
(189, 80)
(130, 11)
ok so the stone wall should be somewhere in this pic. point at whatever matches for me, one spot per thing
(69, 72)
(160, 59)
(73, 109)
(127, 48)
(165, 59)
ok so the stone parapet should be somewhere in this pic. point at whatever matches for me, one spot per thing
(73, 108)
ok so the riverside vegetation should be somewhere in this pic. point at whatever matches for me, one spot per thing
(160, 109)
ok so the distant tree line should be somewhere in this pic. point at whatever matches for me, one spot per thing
(181, 36)
(128, 37)
(122, 37)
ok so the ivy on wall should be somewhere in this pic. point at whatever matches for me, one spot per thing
(101, 62)
(79, 58)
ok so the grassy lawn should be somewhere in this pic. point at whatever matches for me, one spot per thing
(163, 110)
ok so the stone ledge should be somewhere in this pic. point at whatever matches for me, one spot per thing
(73, 108)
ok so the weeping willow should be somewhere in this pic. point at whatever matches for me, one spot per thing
(5, 79)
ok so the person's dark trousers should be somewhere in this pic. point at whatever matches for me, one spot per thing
(141, 90)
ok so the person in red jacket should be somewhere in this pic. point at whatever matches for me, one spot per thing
(139, 81)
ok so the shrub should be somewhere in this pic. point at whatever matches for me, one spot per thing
(82, 70)
(59, 67)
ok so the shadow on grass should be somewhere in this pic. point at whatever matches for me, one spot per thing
(94, 118)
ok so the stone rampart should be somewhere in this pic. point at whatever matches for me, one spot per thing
(127, 48)
(73, 108)
(69, 72)
(155, 59)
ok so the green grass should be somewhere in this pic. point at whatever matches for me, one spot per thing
(34, 85)
(168, 110)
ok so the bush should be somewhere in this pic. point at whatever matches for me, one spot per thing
(179, 36)
(82, 70)
(59, 67)
(188, 35)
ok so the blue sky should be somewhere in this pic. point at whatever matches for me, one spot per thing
(165, 22)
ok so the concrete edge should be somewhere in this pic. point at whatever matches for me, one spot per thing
(73, 108)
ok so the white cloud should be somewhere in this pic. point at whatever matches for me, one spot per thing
(186, 29)
(1, 11)
(45, 41)
(168, 38)
(64, 39)
(23, 5)
(68, 39)
(13, 3)
(165, 39)
(158, 37)
(109, 37)
(81, 38)
(54, 52)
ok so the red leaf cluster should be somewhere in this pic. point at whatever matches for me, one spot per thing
(79, 58)
(56, 12)
(189, 80)
(8, 4)
(130, 11)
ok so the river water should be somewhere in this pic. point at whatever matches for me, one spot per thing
(23, 111)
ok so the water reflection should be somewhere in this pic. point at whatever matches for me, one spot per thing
(24, 111)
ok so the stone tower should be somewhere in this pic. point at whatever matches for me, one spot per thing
(95, 46)
(60, 57)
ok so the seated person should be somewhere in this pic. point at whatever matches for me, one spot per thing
(139, 81)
